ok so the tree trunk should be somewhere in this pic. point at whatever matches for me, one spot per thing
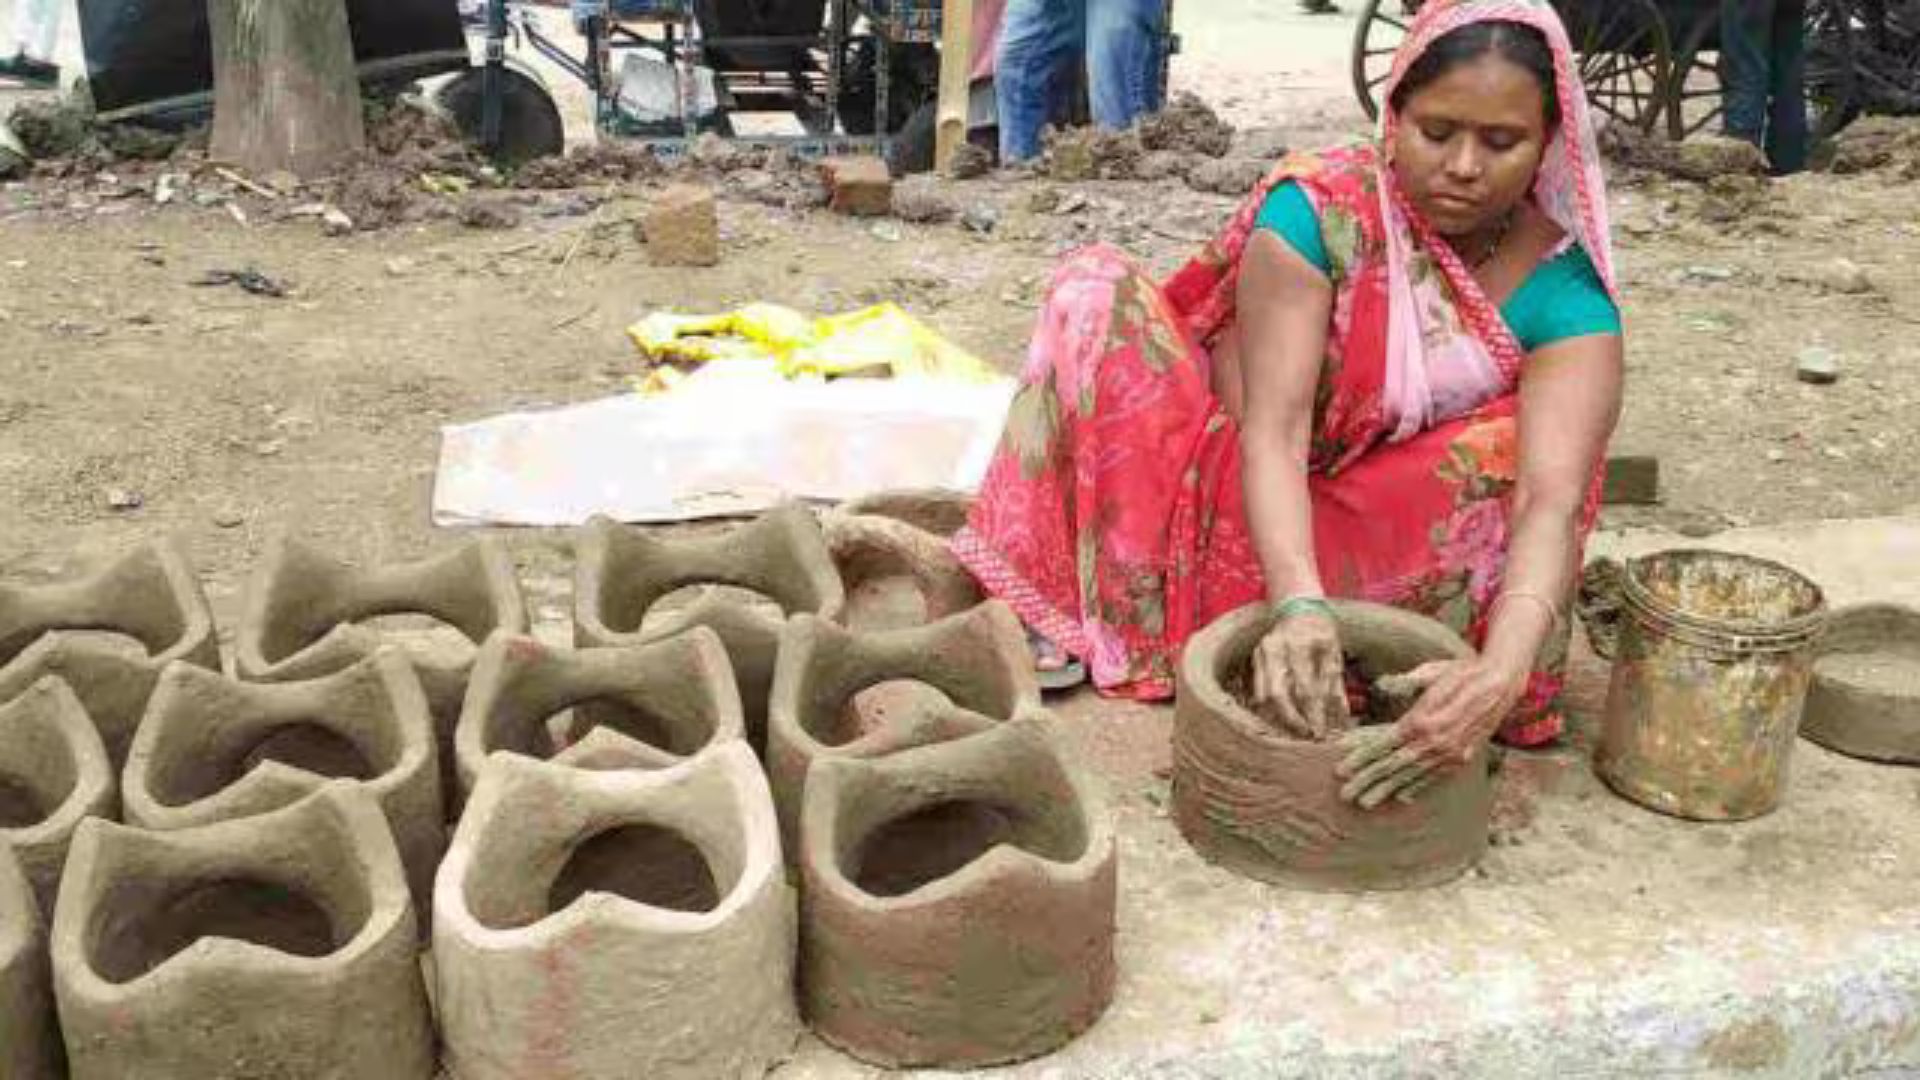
(286, 95)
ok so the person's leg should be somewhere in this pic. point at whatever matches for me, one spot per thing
(1033, 38)
(1745, 27)
(1124, 38)
(1787, 115)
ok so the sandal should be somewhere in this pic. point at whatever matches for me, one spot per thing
(1055, 669)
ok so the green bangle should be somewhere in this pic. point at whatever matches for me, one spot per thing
(1301, 605)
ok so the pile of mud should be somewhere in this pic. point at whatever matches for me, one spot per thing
(1185, 142)
(1879, 144)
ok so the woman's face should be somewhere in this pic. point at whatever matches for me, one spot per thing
(1467, 143)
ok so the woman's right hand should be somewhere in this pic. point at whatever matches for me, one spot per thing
(1299, 677)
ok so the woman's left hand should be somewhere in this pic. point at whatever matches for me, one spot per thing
(1464, 703)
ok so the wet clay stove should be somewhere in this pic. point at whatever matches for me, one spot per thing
(214, 749)
(1268, 806)
(621, 706)
(604, 925)
(304, 616)
(280, 945)
(958, 901)
(109, 635)
(958, 676)
(892, 554)
(53, 775)
(623, 572)
(29, 1039)
(1865, 697)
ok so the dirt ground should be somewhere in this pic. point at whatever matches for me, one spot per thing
(225, 415)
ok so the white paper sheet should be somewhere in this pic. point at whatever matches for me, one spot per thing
(723, 443)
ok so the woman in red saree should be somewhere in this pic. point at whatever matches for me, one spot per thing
(1277, 423)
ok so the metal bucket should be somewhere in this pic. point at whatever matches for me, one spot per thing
(1715, 655)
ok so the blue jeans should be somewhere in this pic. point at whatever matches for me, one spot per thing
(1121, 41)
(1763, 66)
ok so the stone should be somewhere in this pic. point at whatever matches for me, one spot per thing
(961, 675)
(960, 901)
(970, 162)
(303, 614)
(150, 597)
(616, 924)
(53, 775)
(1865, 696)
(648, 705)
(682, 227)
(622, 573)
(213, 749)
(1844, 276)
(860, 186)
(1631, 480)
(29, 1037)
(1268, 807)
(1817, 365)
(278, 945)
(895, 573)
(1227, 176)
(923, 201)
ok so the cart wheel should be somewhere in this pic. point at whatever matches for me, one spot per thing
(530, 125)
(911, 150)
(1376, 37)
(1834, 63)
(1626, 60)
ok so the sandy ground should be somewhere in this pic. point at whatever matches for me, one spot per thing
(134, 403)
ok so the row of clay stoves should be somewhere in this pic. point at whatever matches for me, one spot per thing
(617, 897)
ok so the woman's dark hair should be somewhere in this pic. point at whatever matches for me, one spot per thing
(1516, 43)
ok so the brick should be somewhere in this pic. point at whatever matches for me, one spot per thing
(860, 186)
(682, 228)
(1632, 480)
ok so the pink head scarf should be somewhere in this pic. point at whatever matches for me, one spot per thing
(1433, 371)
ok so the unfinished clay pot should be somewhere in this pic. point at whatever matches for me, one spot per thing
(624, 571)
(1268, 806)
(1865, 697)
(108, 635)
(304, 612)
(958, 902)
(895, 572)
(604, 925)
(624, 706)
(280, 945)
(934, 510)
(213, 749)
(29, 1038)
(945, 680)
(53, 775)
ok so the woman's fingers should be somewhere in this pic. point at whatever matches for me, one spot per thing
(1261, 689)
(1366, 746)
(1394, 783)
(1379, 769)
(1304, 689)
(1407, 795)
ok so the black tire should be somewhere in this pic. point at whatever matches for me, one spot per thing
(912, 147)
(530, 125)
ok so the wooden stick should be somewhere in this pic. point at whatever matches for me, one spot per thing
(956, 71)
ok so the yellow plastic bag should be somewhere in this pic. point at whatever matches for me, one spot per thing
(881, 340)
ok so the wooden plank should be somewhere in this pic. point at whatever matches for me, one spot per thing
(956, 70)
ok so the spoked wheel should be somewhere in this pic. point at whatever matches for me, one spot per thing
(1376, 37)
(1833, 66)
(1626, 59)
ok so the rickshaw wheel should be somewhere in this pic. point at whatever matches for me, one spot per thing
(1376, 37)
(530, 124)
(1625, 56)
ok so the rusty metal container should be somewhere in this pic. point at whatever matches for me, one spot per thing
(1713, 662)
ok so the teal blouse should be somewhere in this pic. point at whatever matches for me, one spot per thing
(1562, 298)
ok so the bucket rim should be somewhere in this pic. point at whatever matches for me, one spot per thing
(1642, 600)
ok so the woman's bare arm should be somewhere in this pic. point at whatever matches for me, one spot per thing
(1284, 305)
